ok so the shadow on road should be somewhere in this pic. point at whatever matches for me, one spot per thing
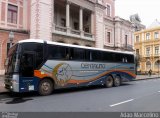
(126, 84)
(18, 100)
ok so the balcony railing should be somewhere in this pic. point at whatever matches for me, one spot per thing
(148, 55)
(76, 32)
(127, 46)
(60, 28)
(88, 35)
(156, 54)
(72, 32)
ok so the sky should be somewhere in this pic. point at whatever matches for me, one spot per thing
(148, 10)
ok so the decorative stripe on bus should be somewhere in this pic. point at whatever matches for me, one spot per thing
(101, 75)
(39, 74)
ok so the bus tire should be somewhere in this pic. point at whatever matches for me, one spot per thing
(117, 81)
(45, 87)
(109, 82)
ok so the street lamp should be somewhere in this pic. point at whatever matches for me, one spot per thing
(11, 37)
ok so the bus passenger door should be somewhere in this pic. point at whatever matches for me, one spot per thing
(27, 64)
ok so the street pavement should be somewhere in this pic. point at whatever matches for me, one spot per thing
(135, 96)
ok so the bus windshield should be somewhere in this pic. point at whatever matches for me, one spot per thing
(12, 59)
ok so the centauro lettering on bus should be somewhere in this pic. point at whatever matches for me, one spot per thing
(70, 73)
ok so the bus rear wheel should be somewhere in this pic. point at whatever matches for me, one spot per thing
(45, 87)
(117, 81)
(109, 82)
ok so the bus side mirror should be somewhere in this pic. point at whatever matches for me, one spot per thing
(6, 62)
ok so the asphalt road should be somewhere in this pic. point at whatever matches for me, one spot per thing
(136, 96)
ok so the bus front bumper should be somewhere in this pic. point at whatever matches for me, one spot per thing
(11, 84)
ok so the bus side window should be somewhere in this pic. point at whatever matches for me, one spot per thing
(97, 56)
(123, 59)
(76, 54)
(130, 58)
(56, 52)
(126, 60)
(88, 55)
(108, 57)
(67, 55)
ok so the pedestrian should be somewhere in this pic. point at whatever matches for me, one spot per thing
(150, 72)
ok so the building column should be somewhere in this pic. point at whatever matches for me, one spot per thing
(81, 21)
(39, 10)
(68, 16)
(53, 15)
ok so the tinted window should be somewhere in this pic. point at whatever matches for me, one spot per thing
(130, 58)
(96, 56)
(124, 58)
(11, 59)
(34, 47)
(120, 58)
(56, 52)
(88, 55)
(77, 54)
(27, 64)
(108, 56)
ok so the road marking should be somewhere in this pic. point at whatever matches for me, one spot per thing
(158, 91)
(121, 103)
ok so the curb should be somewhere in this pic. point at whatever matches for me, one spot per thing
(147, 78)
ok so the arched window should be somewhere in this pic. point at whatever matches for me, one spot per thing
(148, 65)
(157, 64)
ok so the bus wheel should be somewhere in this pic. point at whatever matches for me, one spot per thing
(109, 82)
(45, 87)
(117, 81)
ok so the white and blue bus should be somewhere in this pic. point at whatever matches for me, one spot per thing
(38, 65)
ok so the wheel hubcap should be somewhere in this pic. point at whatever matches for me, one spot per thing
(117, 81)
(45, 86)
(109, 82)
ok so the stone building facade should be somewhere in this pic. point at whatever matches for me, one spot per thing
(14, 17)
(80, 22)
(147, 47)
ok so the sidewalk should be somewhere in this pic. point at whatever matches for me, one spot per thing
(143, 77)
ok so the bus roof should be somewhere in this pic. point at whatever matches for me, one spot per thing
(70, 45)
